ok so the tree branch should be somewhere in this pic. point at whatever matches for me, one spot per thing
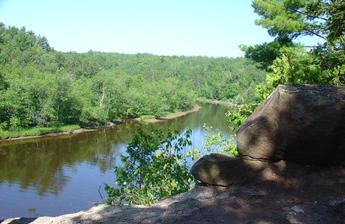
(316, 34)
(305, 14)
(310, 46)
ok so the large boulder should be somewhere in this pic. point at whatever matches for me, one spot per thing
(221, 170)
(304, 124)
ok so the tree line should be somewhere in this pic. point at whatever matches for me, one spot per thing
(42, 87)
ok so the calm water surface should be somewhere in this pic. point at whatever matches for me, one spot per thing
(57, 175)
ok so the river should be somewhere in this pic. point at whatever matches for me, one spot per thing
(57, 175)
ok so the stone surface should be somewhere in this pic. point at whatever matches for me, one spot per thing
(302, 124)
(221, 170)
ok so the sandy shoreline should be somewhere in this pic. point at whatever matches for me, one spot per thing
(170, 116)
(219, 102)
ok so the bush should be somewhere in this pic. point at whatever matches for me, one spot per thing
(155, 167)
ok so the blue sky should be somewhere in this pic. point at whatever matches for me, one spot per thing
(165, 27)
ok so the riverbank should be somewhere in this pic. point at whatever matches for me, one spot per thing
(224, 103)
(39, 131)
(171, 116)
(33, 133)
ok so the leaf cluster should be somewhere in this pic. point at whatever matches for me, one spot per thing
(154, 167)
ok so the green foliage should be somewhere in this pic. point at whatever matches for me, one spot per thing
(265, 53)
(238, 115)
(287, 20)
(296, 66)
(40, 87)
(288, 62)
(36, 131)
(218, 142)
(335, 22)
(155, 167)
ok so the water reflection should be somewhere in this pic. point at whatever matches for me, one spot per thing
(39, 163)
(62, 174)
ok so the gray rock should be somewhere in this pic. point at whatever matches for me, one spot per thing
(221, 170)
(303, 124)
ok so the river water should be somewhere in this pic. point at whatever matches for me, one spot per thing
(56, 175)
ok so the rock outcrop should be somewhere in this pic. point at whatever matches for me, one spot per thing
(295, 125)
(223, 170)
(303, 124)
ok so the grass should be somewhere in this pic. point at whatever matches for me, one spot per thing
(145, 117)
(37, 131)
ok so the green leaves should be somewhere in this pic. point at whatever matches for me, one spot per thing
(290, 63)
(278, 16)
(238, 115)
(291, 18)
(265, 53)
(154, 167)
(335, 23)
(219, 143)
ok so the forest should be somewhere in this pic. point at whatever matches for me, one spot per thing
(44, 88)
(288, 61)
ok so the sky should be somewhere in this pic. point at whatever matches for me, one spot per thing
(163, 27)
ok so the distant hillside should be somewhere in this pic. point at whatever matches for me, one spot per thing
(40, 86)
